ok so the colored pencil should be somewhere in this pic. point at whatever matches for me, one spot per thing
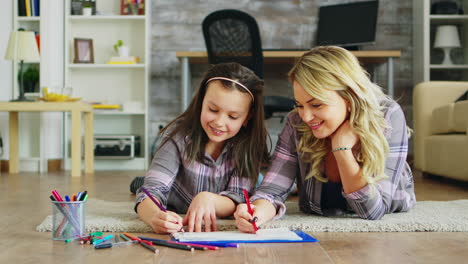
(161, 207)
(172, 245)
(154, 250)
(193, 245)
(125, 237)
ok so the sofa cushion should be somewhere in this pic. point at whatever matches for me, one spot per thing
(460, 116)
(442, 120)
(446, 155)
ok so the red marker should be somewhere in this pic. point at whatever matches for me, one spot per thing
(247, 201)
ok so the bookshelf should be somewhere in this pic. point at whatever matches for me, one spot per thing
(124, 84)
(427, 59)
(31, 158)
(29, 21)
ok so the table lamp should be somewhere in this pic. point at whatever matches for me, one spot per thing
(22, 47)
(447, 38)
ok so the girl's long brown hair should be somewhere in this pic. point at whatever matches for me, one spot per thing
(249, 146)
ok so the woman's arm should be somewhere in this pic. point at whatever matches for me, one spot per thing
(350, 171)
(264, 211)
(396, 192)
(269, 198)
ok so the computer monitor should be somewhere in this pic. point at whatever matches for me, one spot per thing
(347, 25)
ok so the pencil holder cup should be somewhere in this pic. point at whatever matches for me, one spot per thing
(68, 220)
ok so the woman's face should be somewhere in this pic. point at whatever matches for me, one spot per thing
(224, 111)
(323, 119)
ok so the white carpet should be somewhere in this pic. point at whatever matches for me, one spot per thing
(436, 216)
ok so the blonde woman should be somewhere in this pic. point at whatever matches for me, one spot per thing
(345, 144)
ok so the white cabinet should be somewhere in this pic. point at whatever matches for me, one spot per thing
(112, 84)
(427, 58)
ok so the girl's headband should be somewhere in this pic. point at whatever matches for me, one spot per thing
(234, 81)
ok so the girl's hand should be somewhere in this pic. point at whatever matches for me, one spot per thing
(244, 219)
(344, 136)
(201, 209)
(166, 222)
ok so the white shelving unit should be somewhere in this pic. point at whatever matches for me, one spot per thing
(30, 154)
(110, 83)
(427, 59)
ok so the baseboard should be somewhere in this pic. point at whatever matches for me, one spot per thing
(4, 166)
(52, 165)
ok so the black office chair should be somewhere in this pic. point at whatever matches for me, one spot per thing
(233, 36)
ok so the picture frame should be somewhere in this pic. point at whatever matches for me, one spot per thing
(84, 52)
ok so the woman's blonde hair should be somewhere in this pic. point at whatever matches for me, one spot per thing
(334, 68)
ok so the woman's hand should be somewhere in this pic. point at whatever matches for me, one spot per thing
(166, 222)
(344, 136)
(201, 209)
(244, 219)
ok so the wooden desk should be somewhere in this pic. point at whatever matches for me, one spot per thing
(76, 108)
(282, 57)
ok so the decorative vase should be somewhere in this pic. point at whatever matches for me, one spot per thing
(87, 11)
(123, 51)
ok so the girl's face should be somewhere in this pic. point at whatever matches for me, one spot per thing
(323, 119)
(223, 113)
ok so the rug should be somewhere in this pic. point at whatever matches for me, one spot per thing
(434, 216)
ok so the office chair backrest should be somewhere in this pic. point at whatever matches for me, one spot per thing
(233, 36)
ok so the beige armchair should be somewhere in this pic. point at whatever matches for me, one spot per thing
(440, 129)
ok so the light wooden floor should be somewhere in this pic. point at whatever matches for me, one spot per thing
(24, 203)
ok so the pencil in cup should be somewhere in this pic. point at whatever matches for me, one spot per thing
(68, 213)
(69, 221)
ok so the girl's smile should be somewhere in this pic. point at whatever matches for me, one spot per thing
(224, 112)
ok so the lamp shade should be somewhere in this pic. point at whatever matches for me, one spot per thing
(447, 37)
(22, 46)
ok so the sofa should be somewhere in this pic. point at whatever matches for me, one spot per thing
(440, 114)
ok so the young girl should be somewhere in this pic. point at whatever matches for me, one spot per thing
(345, 144)
(208, 154)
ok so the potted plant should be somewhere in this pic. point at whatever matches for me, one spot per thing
(121, 49)
(87, 9)
(30, 80)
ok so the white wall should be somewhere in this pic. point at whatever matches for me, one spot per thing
(6, 21)
(50, 136)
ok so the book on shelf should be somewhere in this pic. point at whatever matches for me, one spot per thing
(21, 8)
(106, 106)
(29, 7)
(132, 7)
(37, 7)
(38, 41)
(124, 60)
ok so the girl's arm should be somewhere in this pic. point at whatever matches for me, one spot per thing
(395, 193)
(208, 206)
(158, 181)
(160, 222)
